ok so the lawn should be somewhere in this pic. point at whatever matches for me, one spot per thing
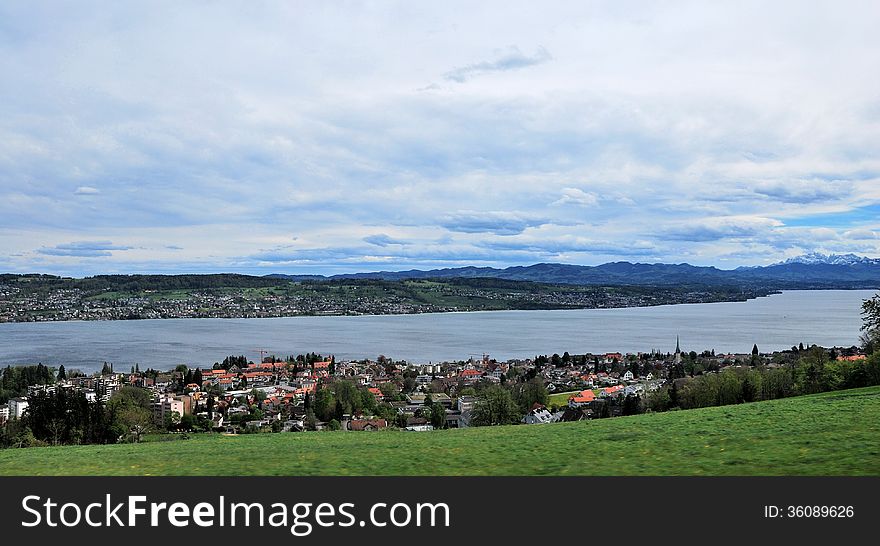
(560, 398)
(835, 433)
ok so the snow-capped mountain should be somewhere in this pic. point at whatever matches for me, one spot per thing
(816, 258)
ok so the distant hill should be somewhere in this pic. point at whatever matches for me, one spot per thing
(813, 271)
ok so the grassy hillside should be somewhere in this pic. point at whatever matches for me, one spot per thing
(835, 433)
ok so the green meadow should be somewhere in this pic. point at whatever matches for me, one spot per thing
(834, 433)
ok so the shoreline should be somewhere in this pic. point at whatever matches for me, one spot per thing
(542, 309)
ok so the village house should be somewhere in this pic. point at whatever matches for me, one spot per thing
(466, 403)
(582, 398)
(418, 424)
(416, 400)
(367, 424)
(539, 414)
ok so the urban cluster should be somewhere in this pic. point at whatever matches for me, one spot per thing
(313, 392)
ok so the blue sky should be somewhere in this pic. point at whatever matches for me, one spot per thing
(325, 138)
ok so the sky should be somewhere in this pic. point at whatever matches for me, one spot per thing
(333, 137)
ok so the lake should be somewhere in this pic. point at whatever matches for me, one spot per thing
(827, 317)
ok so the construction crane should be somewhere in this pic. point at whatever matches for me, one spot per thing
(262, 352)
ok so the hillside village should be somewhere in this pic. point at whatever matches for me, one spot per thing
(312, 392)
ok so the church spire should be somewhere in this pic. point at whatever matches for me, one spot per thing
(677, 345)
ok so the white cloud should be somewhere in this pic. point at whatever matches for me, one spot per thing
(575, 196)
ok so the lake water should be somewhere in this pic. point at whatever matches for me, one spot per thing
(828, 317)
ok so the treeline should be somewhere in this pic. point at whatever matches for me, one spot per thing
(66, 417)
(811, 374)
(506, 403)
(301, 361)
(14, 381)
(341, 398)
(136, 283)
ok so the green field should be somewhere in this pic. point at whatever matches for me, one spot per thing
(561, 398)
(835, 433)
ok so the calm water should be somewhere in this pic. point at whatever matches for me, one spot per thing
(776, 322)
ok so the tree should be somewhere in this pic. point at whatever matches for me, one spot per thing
(437, 415)
(129, 396)
(409, 384)
(389, 390)
(495, 406)
(368, 401)
(324, 404)
(632, 405)
(870, 337)
(172, 420)
(530, 392)
(348, 397)
(755, 350)
(673, 395)
(25, 438)
(749, 390)
(310, 422)
(187, 422)
(62, 374)
(136, 421)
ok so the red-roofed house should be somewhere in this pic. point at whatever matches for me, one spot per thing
(581, 399)
(377, 393)
(609, 391)
(470, 375)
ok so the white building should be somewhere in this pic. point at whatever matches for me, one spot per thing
(466, 403)
(107, 385)
(17, 407)
(419, 428)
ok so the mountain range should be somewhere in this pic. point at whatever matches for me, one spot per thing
(810, 271)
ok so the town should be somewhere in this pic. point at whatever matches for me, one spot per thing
(315, 392)
(45, 298)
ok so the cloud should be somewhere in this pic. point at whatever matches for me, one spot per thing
(360, 257)
(572, 244)
(83, 249)
(383, 240)
(575, 196)
(173, 247)
(714, 229)
(192, 130)
(861, 234)
(514, 59)
(499, 223)
(805, 191)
